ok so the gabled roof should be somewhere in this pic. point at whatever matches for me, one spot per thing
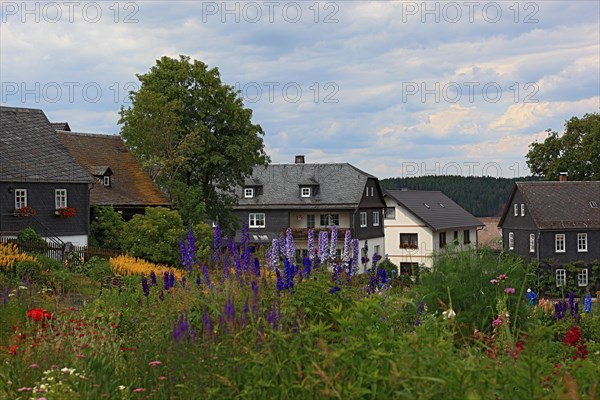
(435, 209)
(129, 184)
(341, 186)
(30, 150)
(61, 126)
(559, 205)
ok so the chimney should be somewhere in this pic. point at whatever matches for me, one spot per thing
(564, 176)
(299, 159)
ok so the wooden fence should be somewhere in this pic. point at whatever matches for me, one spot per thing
(60, 252)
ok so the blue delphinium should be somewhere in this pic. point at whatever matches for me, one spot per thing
(256, 270)
(290, 246)
(419, 313)
(166, 280)
(183, 282)
(217, 243)
(311, 245)
(206, 277)
(323, 247)
(279, 284)
(171, 279)
(288, 274)
(282, 246)
(184, 253)
(191, 250)
(275, 254)
(208, 328)
(152, 278)
(181, 329)
(145, 287)
(347, 245)
(355, 251)
(572, 303)
(306, 262)
(587, 303)
(560, 309)
(198, 280)
(334, 289)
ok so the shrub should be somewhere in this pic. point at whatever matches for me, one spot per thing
(9, 255)
(29, 269)
(29, 235)
(106, 227)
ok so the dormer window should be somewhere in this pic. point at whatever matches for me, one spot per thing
(106, 180)
(305, 192)
(248, 193)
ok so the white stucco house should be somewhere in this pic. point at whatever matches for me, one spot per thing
(419, 224)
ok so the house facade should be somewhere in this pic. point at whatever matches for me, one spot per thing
(313, 196)
(41, 185)
(419, 224)
(554, 224)
(118, 179)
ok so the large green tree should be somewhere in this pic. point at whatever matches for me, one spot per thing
(576, 151)
(193, 135)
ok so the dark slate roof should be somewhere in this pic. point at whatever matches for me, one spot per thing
(129, 184)
(435, 209)
(61, 126)
(30, 150)
(560, 205)
(341, 186)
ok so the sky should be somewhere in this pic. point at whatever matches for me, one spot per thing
(396, 88)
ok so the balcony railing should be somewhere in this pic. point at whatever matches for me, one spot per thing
(302, 233)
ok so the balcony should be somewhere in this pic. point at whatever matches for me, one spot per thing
(302, 233)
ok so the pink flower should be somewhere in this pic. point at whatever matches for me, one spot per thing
(138, 390)
(498, 321)
(502, 277)
(162, 378)
(34, 366)
(494, 281)
(154, 363)
(509, 290)
(24, 389)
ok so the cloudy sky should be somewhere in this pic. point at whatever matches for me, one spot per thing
(397, 88)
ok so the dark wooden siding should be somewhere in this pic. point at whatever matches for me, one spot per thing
(518, 222)
(369, 231)
(547, 245)
(41, 197)
(275, 220)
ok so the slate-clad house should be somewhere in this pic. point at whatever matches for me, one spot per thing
(119, 180)
(40, 179)
(304, 196)
(554, 223)
(419, 224)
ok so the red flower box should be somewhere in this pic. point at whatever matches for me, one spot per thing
(66, 212)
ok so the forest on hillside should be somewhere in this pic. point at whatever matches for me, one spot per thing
(482, 196)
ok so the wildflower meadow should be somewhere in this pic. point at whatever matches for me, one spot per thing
(265, 323)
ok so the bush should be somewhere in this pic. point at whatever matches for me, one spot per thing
(30, 236)
(97, 268)
(29, 269)
(106, 228)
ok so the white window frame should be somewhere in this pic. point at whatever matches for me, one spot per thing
(366, 191)
(511, 240)
(560, 245)
(516, 207)
(582, 243)
(375, 218)
(20, 198)
(254, 220)
(371, 191)
(305, 192)
(522, 209)
(363, 219)
(582, 277)
(561, 277)
(390, 213)
(106, 180)
(532, 242)
(248, 193)
(60, 198)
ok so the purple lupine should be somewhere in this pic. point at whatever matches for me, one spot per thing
(217, 243)
(288, 274)
(306, 262)
(290, 245)
(171, 279)
(256, 270)
(355, 251)
(145, 287)
(166, 280)
(311, 245)
(560, 309)
(347, 244)
(323, 247)
(333, 243)
(152, 278)
(279, 285)
(192, 257)
(206, 276)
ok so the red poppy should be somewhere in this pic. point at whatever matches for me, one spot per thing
(572, 337)
(37, 314)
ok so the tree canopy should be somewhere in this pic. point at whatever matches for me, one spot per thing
(576, 151)
(193, 135)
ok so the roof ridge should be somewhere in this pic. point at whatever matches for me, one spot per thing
(100, 135)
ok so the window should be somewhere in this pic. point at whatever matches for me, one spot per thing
(532, 242)
(256, 220)
(522, 210)
(455, 237)
(248, 193)
(516, 207)
(390, 213)
(367, 191)
(20, 198)
(442, 239)
(310, 220)
(60, 198)
(106, 181)
(593, 204)
(409, 241)
(408, 268)
(559, 242)
(375, 218)
(467, 236)
(511, 241)
(582, 242)
(582, 277)
(363, 219)
(371, 190)
(305, 192)
(561, 277)
(329, 219)
(377, 249)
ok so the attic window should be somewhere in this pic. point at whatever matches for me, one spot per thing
(426, 205)
(106, 180)
(441, 205)
(593, 204)
(248, 193)
(305, 192)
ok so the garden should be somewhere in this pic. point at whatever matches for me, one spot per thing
(261, 323)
